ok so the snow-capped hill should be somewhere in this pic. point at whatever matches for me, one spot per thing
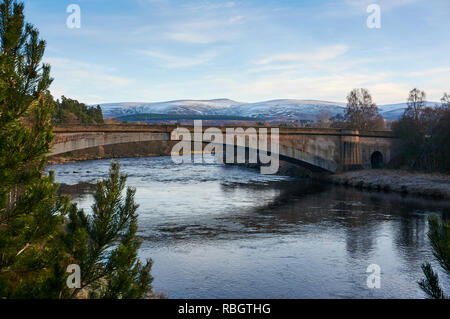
(395, 111)
(201, 107)
(117, 109)
(286, 109)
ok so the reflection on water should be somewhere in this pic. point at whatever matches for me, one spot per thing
(216, 231)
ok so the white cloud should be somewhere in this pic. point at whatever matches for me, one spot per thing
(428, 72)
(82, 71)
(342, 9)
(170, 34)
(171, 61)
(322, 54)
(198, 22)
(328, 66)
(154, 2)
(360, 6)
(209, 5)
(328, 87)
(191, 37)
(74, 78)
(388, 92)
(205, 31)
(384, 87)
(236, 19)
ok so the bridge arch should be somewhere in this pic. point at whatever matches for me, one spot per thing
(376, 160)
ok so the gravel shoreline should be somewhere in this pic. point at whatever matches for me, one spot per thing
(429, 185)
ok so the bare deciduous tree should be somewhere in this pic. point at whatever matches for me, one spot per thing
(424, 133)
(445, 100)
(324, 120)
(361, 113)
(416, 103)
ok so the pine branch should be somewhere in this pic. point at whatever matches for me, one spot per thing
(430, 285)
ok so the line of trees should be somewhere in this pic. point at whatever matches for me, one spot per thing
(424, 133)
(71, 111)
(42, 233)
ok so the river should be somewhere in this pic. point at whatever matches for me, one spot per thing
(216, 231)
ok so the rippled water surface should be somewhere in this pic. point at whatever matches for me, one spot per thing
(215, 231)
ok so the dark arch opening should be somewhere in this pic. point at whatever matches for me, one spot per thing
(376, 160)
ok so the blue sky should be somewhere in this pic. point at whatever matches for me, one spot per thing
(158, 50)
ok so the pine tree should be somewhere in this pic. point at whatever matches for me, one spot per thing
(105, 243)
(439, 236)
(31, 263)
(42, 233)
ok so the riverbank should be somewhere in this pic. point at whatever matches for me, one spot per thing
(430, 185)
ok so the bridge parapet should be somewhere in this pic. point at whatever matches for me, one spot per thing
(67, 128)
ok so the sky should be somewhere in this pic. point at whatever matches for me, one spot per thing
(248, 51)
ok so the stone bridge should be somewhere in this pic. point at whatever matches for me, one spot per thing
(329, 150)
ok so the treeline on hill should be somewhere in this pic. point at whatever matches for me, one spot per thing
(69, 111)
(425, 134)
(170, 117)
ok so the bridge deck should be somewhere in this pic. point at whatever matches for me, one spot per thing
(114, 128)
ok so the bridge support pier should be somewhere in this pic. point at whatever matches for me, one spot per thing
(350, 151)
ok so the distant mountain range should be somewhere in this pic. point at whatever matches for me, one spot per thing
(279, 110)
